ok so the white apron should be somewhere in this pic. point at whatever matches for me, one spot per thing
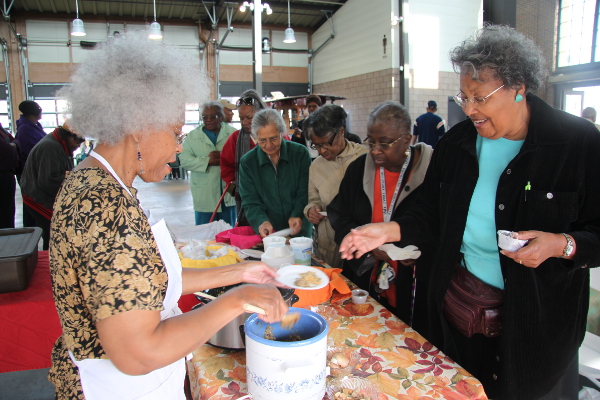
(100, 378)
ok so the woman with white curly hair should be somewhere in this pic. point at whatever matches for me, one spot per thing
(519, 170)
(115, 280)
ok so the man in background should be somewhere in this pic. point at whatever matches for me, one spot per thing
(45, 170)
(429, 127)
(589, 113)
(228, 108)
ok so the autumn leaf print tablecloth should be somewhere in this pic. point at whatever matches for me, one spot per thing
(400, 362)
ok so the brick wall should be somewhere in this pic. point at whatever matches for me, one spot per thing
(364, 92)
(449, 83)
(539, 20)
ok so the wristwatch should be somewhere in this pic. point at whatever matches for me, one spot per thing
(568, 250)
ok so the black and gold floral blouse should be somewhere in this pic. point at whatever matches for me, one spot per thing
(103, 261)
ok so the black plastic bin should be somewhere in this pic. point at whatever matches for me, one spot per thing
(18, 257)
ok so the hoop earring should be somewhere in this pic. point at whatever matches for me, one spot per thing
(518, 98)
(140, 159)
(407, 152)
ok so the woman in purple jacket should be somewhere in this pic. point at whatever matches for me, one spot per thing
(29, 133)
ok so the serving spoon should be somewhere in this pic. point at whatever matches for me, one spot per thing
(287, 322)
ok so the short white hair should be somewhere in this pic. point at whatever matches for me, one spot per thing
(131, 84)
(268, 117)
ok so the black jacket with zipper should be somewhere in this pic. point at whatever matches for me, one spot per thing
(545, 307)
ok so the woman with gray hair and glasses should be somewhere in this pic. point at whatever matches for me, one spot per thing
(201, 154)
(525, 173)
(274, 179)
(116, 280)
(380, 186)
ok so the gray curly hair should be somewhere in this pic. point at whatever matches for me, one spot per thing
(132, 84)
(390, 112)
(213, 105)
(509, 55)
(268, 117)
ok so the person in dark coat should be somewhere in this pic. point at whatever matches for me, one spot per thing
(44, 173)
(29, 133)
(359, 202)
(10, 162)
(516, 164)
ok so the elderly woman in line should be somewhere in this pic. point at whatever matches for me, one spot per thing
(201, 154)
(116, 280)
(239, 143)
(325, 128)
(274, 179)
(378, 187)
(516, 164)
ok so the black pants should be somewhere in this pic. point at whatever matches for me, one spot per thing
(7, 199)
(42, 222)
(483, 361)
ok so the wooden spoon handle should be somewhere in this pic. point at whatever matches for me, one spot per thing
(246, 307)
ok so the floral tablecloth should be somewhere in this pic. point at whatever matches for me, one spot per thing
(400, 362)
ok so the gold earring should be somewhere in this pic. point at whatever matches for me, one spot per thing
(407, 152)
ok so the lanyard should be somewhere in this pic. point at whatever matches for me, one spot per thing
(387, 214)
(110, 169)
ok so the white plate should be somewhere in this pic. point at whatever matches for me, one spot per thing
(323, 213)
(288, 276)
(252, 253)
(283, 232)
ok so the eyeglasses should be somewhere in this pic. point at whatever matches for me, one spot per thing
(272, 140)
(179, 136)
(210, 117)
(325, 146)
(477, 100)
(249, 101)
(381, 146)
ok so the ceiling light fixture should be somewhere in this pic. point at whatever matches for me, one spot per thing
(289, 32)
(77, 28)
(264, 7)
(155, 32)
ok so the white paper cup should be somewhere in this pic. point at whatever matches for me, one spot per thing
(271, 240)
(302, 248)
(507, 242)
(359, 296)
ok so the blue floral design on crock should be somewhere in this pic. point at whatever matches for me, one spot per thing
(278, 387)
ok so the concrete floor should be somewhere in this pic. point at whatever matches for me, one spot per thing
(168, 199)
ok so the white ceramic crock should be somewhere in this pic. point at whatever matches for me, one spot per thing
(287, 370)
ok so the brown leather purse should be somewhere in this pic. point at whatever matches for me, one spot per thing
(472, 306)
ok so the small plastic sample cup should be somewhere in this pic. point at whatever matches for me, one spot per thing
(302, 248)
(359, 296)
(271, 240)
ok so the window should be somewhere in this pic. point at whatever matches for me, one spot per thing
(53, 113)
(578, 32)
(4, 118)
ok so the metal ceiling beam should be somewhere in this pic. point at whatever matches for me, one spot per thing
(37, 2)
(25, 5)
(171, 11)
(301, 6)
(53, 6)
(94, 8)
(182, 12)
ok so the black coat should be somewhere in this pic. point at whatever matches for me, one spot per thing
(545, 308)
(352, 208)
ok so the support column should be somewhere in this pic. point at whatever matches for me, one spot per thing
(257, 69)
